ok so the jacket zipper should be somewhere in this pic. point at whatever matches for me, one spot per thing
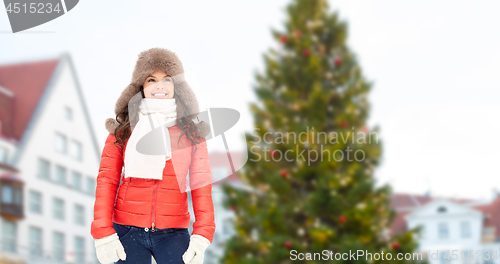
(153, 204)
(126, 189)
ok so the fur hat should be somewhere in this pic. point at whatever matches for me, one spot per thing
(165, 60)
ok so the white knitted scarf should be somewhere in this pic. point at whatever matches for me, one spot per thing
(147, 159)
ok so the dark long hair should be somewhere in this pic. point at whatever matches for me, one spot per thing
(123, 130)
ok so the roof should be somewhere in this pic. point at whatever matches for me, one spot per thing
(19, 112)
(492, 213)
(27, 82)
(399, 223)
(407, 201)
(404, 203)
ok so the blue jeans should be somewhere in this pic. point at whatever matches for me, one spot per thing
(166, 245)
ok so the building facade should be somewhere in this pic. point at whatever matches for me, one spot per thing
(49, 160)
(451, 230)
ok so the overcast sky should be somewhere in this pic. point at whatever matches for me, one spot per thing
(435, 67)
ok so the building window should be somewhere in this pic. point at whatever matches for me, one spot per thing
(68, 113)
(7, 194)
(443, 230)
(443, 259)
(488, 230)
(35, 241)
(468, 256)
(61, 143)
(61, 175)
(43, 169)
(4, 154)
(35, 202)
(59, 246)
(9, 236)
(11, 195)
(58, 208)
(79, 214)
(77, 180)
(490, 256)
(18, 196)
(91, 186)
(465, 229)
(76, 150)
(79, 250)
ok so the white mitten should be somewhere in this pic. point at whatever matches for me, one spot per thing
(109, 249)
(196, 250)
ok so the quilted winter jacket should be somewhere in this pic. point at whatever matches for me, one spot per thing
(147, 202)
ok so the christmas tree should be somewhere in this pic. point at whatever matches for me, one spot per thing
(311, 157)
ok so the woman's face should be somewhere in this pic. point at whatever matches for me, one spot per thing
(164, 88)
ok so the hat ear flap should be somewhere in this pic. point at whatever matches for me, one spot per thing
(183, 91)
(202, 129)
(123, 100)
(111, 124)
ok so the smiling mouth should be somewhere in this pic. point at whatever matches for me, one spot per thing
(160, 95)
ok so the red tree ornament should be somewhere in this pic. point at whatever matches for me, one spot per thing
(288, 244)
(344, 124)
(283, 39)
(233, 208)
(274, 153)
(338, 61)
(306, 52)
(365, 129)
(342, 219)
(395, 245)
(298, 33)
(284, 173)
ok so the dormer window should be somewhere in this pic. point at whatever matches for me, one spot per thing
(441, 209)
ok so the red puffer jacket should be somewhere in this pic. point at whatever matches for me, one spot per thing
(155, 203)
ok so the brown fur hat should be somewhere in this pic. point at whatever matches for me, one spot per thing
(165, 60)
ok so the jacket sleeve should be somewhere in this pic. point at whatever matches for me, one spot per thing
(108, 180)
(200, 182)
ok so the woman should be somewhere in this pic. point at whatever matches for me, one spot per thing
(149, 213)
